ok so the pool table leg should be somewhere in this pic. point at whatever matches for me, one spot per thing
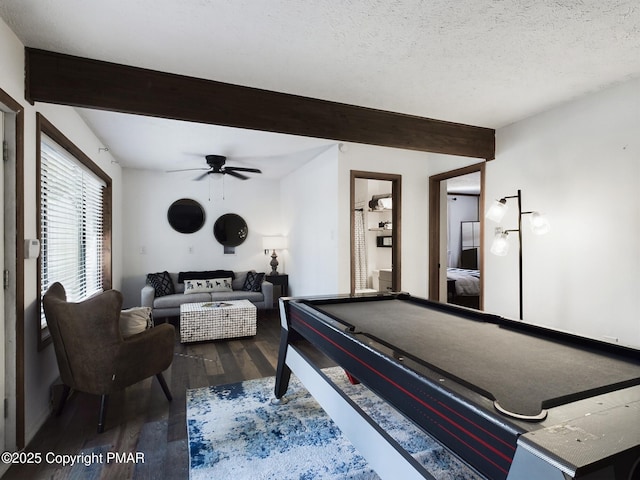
(283, 372)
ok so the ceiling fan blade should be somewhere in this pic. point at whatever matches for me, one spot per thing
(235, 174)
(201, 177)
(185, 170)
(242, 169)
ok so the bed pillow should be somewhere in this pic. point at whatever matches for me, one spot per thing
(208, 285)
(161, 283)
(135, 320)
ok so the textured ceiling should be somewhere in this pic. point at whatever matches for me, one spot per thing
(481, 62)
(464, 184)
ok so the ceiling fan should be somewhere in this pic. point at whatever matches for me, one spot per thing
(217, 165)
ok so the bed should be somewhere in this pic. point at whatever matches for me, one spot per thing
(463, 287)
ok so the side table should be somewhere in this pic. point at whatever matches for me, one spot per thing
(281, 286)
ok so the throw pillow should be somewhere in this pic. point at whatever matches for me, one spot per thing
(207, 285)
(196, 286)
(162, 283)
(253, 282)
(135, 320)
(221, 284)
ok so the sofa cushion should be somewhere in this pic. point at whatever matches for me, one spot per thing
(161, 283)
(253, 282)
(179, 287)
(204, 275)
(135, 320)
(237, 295)
(177, 299)
(208, 285)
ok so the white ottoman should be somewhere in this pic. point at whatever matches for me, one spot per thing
(215, 320)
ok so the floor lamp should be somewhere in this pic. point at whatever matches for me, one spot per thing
(500, 246)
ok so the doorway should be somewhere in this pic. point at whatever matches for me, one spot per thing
(456, 257)
(375, 208)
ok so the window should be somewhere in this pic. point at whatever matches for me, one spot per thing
(73, 194)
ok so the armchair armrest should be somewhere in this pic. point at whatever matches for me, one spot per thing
(267, 291)
(147, 295)
(145, 354)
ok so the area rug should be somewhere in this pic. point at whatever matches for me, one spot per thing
(235, 432)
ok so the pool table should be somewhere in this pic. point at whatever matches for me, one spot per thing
(512, 400)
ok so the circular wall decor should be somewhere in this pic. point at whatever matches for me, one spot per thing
(230, 230)
(186, 215)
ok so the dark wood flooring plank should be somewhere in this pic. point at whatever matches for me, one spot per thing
(231, 369)
(177, 460)
(264, 367)
(153, 444)
(176, 429)
(88, 471)
(247, 369)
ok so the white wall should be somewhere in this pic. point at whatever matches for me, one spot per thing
(40, 367)
(310, 200)
(152, 245)
(579, 164)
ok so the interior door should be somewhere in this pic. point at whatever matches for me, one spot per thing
(395, 227)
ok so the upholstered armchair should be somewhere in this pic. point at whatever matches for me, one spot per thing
(92, 355)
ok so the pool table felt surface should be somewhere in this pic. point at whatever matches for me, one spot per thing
(524, 373)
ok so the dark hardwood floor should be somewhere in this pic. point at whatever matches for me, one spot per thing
(140, 419)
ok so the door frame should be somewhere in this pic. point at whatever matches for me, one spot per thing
(434, 227)
(14, 262)
(396, 222)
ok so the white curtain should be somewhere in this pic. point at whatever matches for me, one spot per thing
(360, 251)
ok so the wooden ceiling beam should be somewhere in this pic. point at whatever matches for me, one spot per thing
(80, 82)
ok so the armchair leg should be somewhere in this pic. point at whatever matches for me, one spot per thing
(103, 412)
(164, 386)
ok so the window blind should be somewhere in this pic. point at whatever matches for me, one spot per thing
(71, 224)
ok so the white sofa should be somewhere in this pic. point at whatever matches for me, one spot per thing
(169, 305)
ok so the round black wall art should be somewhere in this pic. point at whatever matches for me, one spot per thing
(230, 230)
(186, 215)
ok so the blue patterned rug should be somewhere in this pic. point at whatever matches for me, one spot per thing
(236, 433)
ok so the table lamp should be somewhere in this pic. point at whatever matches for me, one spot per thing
(273, 244)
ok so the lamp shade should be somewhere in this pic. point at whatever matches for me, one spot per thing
(539, 223)
(497, 210)
(274, 243)
(500, 245)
